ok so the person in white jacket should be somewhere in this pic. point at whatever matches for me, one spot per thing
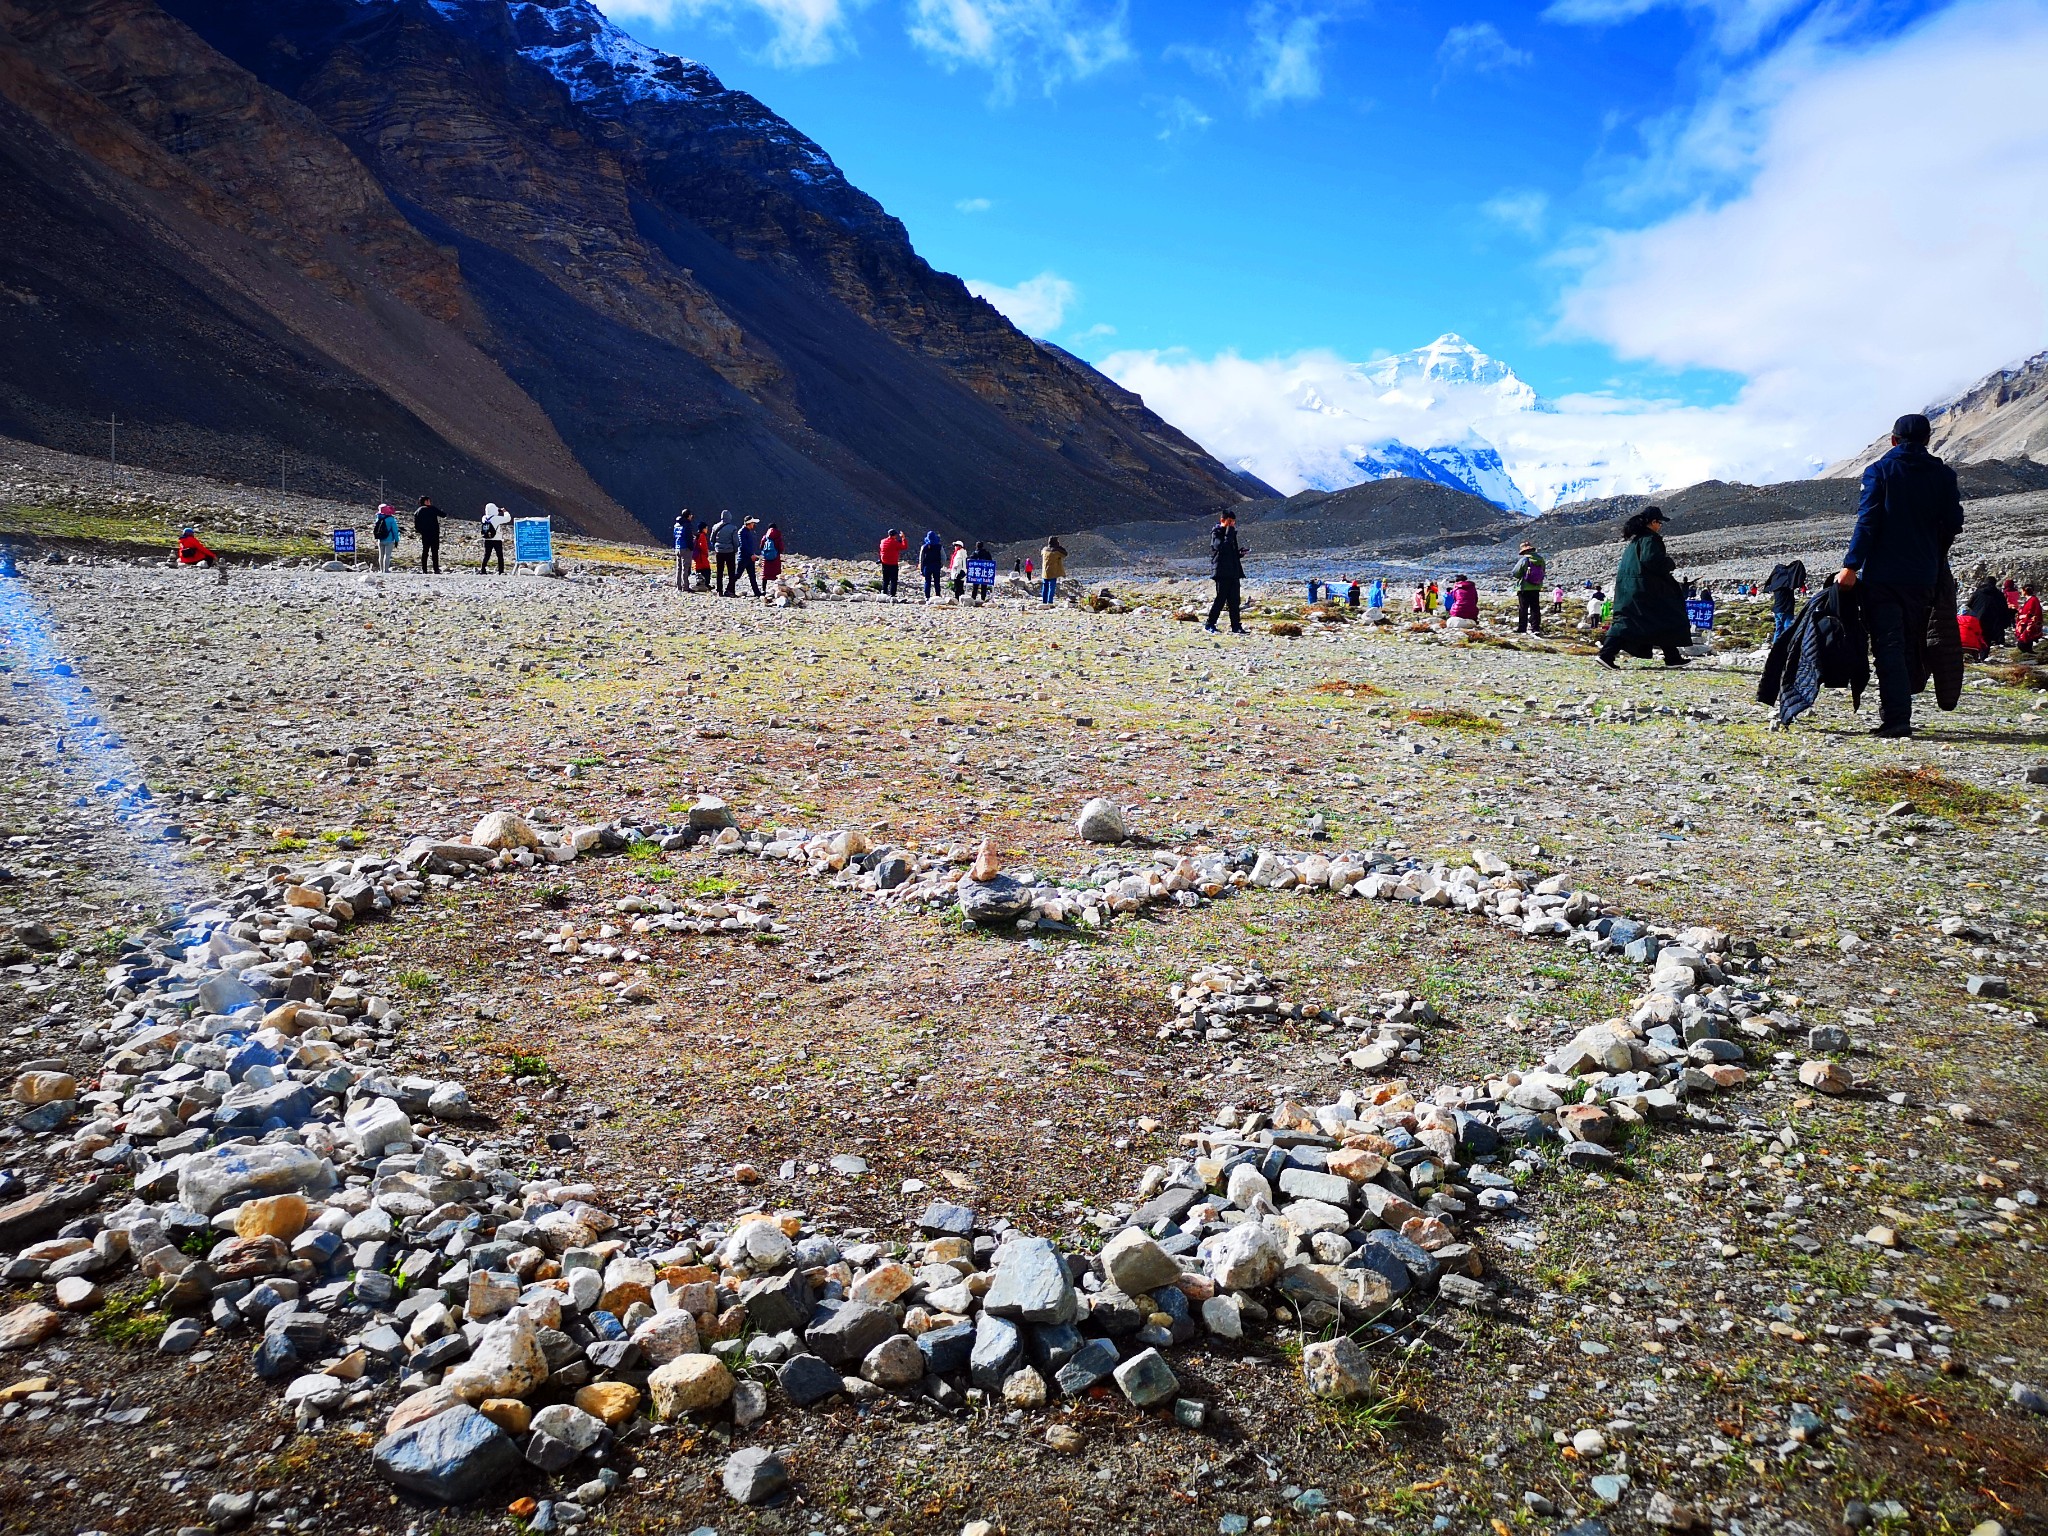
(496, 524)
(958, 569)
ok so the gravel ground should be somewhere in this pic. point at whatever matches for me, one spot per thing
(1710, 1311)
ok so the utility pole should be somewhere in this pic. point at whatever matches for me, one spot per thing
(113, 464)
(280, 471)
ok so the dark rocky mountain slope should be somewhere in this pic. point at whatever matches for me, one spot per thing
(499, 250)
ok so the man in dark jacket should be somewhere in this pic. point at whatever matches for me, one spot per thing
(1226, 569)
(1910, 514)
(426, 522)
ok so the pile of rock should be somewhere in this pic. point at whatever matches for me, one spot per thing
(1219, 1005)
(286, 1185)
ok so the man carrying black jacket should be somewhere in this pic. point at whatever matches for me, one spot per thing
(1910, 514)
(1226, 568)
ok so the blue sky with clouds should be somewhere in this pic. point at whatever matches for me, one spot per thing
(1668, 205)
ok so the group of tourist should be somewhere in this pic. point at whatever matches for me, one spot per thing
(718, 554)
(971, 577)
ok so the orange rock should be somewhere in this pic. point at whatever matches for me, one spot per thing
(613, 1401)
(508, 1413)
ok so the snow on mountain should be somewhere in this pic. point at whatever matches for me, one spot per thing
(1446, 412)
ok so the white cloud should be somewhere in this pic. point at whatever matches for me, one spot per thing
(801, 32)
(1287, 54)
(1738, 24)
(1522, 211)
(1302, 421)
(1037, 306)
(1178, 115)
(973, 205)
(1054, 41)
(1889, 245)
(1095, 332)
(1479, 47)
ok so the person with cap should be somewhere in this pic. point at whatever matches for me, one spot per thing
(1529, 571)
(497, 522)
(426, 522)
(385, 532)
(956, 568)
(192, 552)
(1649, 604)
(1910, 513)
(891, 552)
(1226, 569)
(749, 547)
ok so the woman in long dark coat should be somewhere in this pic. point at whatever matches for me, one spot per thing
(1649, 604)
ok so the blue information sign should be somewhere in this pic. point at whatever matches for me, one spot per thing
(1700, 610)
(981, 573)
(344, 541)
(533, 540)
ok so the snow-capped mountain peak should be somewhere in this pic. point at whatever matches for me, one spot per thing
(1450, 362)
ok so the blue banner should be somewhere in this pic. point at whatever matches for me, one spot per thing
(344, 541)
(533, 540)
(981, 573)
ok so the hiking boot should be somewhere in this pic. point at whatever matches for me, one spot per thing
(1892, 732)
(1607, 661)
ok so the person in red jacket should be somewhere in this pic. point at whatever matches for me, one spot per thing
(192, 552)
(2026, 624)
(700, 559)
(893, 546)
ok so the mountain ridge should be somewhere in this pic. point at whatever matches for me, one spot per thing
(501, 250)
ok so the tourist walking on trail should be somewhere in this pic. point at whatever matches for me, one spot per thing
(771, 555)
(725, 549)
(931, 563)
(385, 532)
(497, 522)
(1909, 515)
(1649, 604)
(1784, 584)
(426, 522)
(2026, 624)
(1226, 569)
(956, 568)
(891, 556)
(1052, 565)
(1529, 571)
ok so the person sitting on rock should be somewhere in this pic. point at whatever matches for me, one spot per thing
(192, 552)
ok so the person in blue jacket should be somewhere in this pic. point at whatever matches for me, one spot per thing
(931, 563)
(1910, 514)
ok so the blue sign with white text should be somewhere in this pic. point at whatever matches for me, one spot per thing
(344, 541)
(981, 573)
(1700, 610)
(533, 540)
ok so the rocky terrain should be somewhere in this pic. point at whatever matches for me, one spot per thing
(2004, 415)
(503, 252)
(623, 1058)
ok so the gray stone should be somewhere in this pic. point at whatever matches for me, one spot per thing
(778, 1303)
(805, 1379)
(1307, 1184)
(1031, 1283)
(994, 903)
(452, 1457)
(1988, 986)
(844, 1338)
(998, 1350)
(1147, 1380)
(948, 1349)
(1091, 1363)
(1102, 821)
(754, 1475)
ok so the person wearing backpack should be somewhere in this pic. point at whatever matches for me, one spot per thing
(385, 532)
(494, 526)
(1529, 591)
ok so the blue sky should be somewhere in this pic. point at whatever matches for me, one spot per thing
(1266, 179)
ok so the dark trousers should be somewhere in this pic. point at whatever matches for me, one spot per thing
(1227, 596)
(889, 580)
(727, 579)
(933, 586)
(746, 569)
(1529, 613)
(492, 547)
(1896, 617)
(430, 549)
